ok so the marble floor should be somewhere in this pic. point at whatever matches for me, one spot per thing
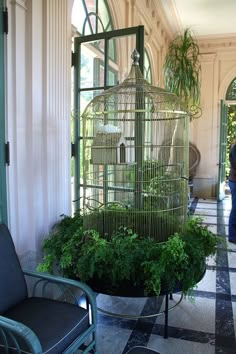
(205, 325)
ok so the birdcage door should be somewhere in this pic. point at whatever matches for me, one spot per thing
(99, 62)
(3, 198)
(222, 151)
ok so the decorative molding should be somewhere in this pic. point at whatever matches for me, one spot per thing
(133, 3)
(168, 12)
(208, 57)
(149, 36)
(217, 43)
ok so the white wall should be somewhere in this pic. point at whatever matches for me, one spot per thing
(218, 61)
(38, 120)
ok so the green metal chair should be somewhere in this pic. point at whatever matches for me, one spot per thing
(41, 323)
(142, 350)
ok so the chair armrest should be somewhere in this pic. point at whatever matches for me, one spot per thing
(11, 328)
(55, 279)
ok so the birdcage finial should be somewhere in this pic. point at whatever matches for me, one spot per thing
(135, 57)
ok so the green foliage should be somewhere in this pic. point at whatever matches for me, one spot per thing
(166, 271)
(114, 261)
(182, 70)
(61, 245)
(142, 222)
(198, 235)
(231, 134)
(126, 258)
(162, 185)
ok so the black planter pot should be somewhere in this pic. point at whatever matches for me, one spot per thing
(127, 289)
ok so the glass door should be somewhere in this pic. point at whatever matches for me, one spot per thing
(100, 61)
(222, 150)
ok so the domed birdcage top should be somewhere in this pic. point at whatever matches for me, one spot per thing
(135, 159)
(136, 93)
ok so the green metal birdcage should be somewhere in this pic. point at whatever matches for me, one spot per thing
(135, 159)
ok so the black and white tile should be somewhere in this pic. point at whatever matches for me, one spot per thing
(204, 325)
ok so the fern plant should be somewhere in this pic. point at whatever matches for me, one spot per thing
(181, 71)
(126, 260)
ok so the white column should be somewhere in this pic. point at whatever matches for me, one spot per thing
(16, 124)
(204, 129)
(38, 120)
(56, 104)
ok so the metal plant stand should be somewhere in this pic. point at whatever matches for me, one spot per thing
(168, 296)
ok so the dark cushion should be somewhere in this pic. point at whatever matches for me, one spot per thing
(55, 323)
(141, 350)
(13, 285)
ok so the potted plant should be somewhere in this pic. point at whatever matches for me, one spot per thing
(181, 71)
(126, 264)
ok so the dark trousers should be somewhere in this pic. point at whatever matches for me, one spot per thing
(232, 215)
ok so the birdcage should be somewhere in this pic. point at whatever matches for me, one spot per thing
(135, 159)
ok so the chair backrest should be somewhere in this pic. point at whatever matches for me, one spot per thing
(13, 287)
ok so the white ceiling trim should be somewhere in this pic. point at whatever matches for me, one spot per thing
(212, 18)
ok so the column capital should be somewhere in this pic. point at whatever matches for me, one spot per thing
(208, 57)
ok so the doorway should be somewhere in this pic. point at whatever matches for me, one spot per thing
(227, 134)
(98, 65)
(231, 135)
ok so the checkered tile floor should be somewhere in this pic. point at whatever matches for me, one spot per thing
(204, 326)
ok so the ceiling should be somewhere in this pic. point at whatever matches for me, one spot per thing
(204, 17)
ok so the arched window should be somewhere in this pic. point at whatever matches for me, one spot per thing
(147, 67)
(91, 16)
(231, 91)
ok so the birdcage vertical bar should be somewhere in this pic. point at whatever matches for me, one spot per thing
(186, 191)
(138, 138)
(105, 168)
(76, 123)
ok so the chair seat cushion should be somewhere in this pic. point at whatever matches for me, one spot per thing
(55, 323)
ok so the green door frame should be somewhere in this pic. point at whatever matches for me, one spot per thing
(222, 151)
(138, 31)
(3, 192)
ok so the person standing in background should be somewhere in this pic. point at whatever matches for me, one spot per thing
(232, 187)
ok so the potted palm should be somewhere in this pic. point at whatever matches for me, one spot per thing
(181, 71)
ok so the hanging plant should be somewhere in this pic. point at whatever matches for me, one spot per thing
(182, 71)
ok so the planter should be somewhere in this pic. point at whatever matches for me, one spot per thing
(126, 289)
(152, 268)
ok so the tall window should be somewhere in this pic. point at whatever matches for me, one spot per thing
(147, 67)
(91, 16)
(231, 92)
(99, 67)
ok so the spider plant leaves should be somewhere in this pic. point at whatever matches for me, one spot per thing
(182, 70)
